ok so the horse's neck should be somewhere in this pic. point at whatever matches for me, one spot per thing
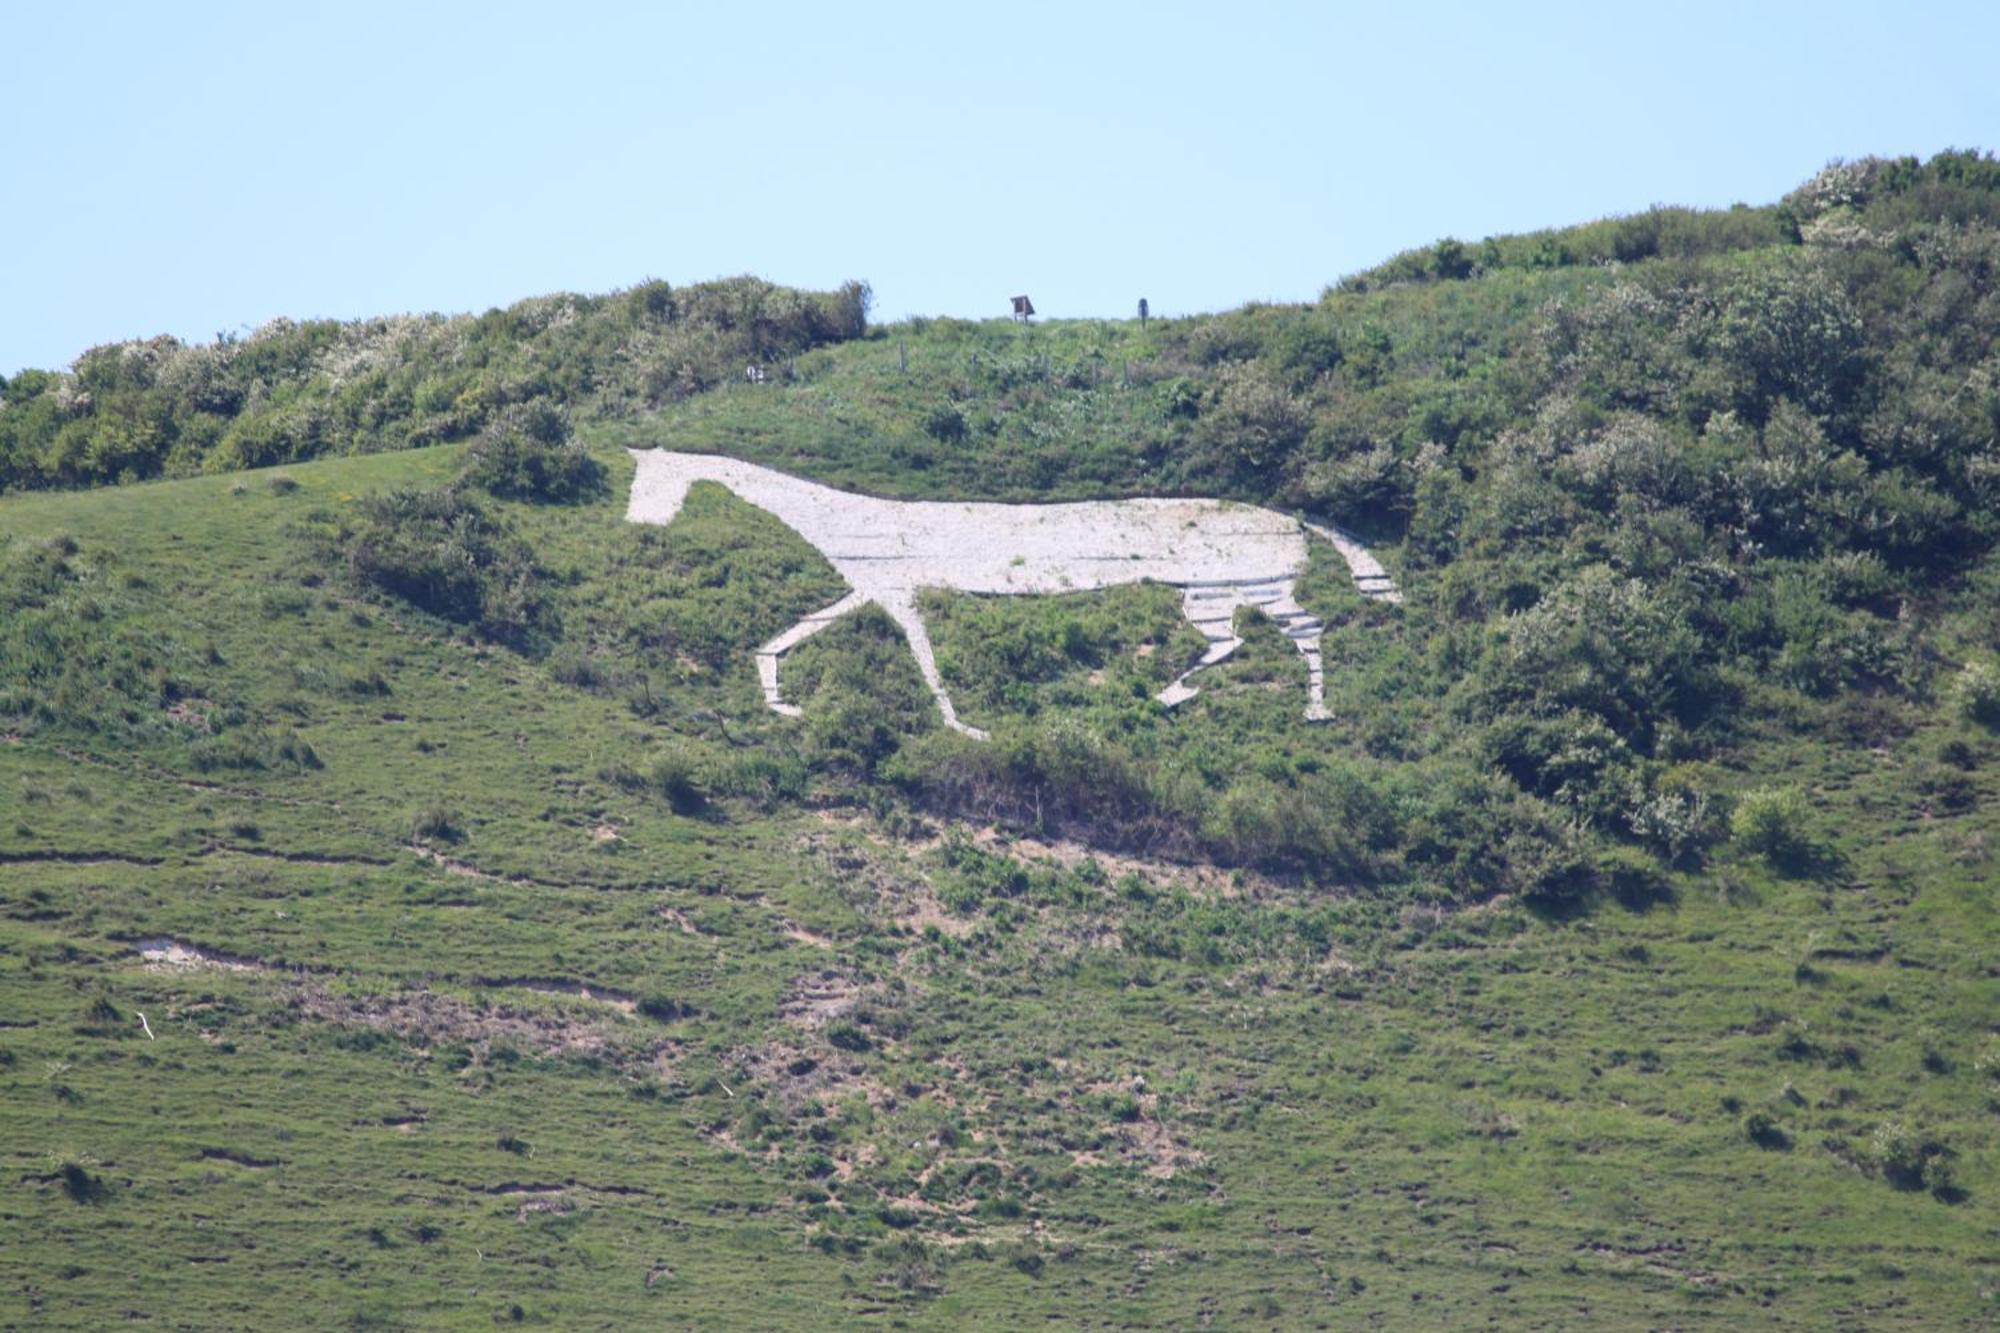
(790, 498)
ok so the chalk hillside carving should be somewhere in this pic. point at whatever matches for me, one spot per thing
(1223, 556)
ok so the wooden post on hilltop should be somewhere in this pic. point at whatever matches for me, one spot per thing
(902, 357)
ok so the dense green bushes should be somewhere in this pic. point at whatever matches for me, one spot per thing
(1657, 233)
(440, 551)
(1064, 778)
(291, 391)
(528, 453)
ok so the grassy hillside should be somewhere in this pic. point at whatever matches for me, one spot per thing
(1623, 951)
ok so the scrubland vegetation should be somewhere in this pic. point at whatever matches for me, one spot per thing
(1622, 951)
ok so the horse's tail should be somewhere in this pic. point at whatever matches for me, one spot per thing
(1370, 578)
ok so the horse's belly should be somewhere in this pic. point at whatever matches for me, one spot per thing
(1031, 558)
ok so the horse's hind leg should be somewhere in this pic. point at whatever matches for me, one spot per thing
(1213, 612)
(1303, 628)
(904, 612)
(768, 655)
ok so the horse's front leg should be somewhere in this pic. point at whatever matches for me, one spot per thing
(903, 610)
(768, 655)
(1213, 612)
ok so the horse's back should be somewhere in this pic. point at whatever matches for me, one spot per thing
(1000, 548)
(891, 547)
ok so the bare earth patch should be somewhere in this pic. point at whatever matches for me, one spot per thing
(796, 1076)
(681, 920)
(1145, 1142)
(620, 1000)
(432, 1018)
(162, 954)
(1203, 880)
(820, 998)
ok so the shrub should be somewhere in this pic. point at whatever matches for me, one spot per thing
(1606, 645)
(847, 1037)
(663, 1008)
(436, 822)
(1308, 347)
(80, 1184)
(580, 670)
(364, 682)
(763, 778)
(1245, 437)
(1977, 693)
(1771, 822)
(291, 748)
(252, 750)
(945, 424)
(439, 551)
(1791, 332)
(1673, 816)
(1450, 260)
(527, 453)
(1910, 1160)
(1551, 867)
(1943, 789)
(1766, 1133)
(1633, 878)
(677, 775)
(1959, 752)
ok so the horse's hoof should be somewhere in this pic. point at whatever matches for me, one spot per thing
(1318, 713)
(789, 710)
(1176, 693)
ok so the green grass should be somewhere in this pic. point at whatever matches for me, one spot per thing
(890, 1063)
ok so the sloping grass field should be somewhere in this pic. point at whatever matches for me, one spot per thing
(492, 985)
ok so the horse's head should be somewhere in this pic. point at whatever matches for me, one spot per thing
(661, 485)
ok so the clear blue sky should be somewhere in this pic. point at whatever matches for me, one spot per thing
(188, 168)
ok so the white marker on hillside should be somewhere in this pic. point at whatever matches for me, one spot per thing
(1220, 554)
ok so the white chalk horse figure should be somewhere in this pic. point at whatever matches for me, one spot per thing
(1221, 555)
